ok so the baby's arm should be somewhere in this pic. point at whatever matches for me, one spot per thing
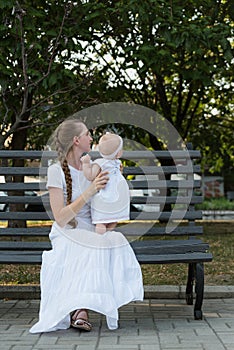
(90, 170)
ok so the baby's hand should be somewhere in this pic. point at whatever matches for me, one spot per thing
(85, 159)
(121, 167)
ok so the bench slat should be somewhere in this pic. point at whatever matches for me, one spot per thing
(160, 170)
(174, 215)
(139, 229)
(34, 216)
(164, 184)
(26, 171)
(157, 215)
(134, 184)
(143, 247)
(29, 154)
(174, 258)
(31, 257)
(144, 170)
(37, 200)
(19, 245)
(180, 154)
(164, 247)
(26, 186)
(157, 199)
(136, 229)
(24, 232)
(21, 257)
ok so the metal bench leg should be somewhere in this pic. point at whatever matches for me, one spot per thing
(189, 287)
(199, 289)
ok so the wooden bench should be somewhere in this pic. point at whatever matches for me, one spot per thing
(162, 229)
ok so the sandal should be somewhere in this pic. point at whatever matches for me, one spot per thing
(80, 322)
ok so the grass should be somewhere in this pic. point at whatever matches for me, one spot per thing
(220, 271)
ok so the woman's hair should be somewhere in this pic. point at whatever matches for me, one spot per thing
(63, 142)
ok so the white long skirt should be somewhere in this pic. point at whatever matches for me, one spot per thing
(86, 270)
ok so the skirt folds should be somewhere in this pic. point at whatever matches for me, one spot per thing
(86, 270)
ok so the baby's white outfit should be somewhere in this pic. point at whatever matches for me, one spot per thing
(112, 203)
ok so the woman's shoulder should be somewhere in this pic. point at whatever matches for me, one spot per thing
(55, 176)
(54, 168)
(55, 165)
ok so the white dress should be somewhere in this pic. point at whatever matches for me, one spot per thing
(112, 203)
(85, 269)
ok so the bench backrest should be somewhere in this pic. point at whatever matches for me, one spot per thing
(164, 191)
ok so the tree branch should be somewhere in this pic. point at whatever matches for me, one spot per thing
(190, 118)
(162, 97)
(20, 15)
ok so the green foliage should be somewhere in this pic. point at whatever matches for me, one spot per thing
(39, 84)
(173, 57)
(216, 204)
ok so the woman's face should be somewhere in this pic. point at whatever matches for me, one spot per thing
(85, 140)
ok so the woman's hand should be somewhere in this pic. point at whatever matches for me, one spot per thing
(100, 181)
(63, 214)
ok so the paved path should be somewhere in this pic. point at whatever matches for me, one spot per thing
(149, 325)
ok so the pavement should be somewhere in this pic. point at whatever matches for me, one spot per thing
(157, 323)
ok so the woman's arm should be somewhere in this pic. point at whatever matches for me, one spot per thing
(63, 214)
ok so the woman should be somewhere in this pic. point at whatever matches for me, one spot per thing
(84, 270)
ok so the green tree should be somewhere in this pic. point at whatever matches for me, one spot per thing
(175, 58)
(39, 83)
(171, 56)
(41, 80)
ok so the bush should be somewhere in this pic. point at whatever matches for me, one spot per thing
(221, 203)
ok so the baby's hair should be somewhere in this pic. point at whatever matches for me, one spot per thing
(109, 145)
(63, 140)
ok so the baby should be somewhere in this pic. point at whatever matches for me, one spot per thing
(111, 204)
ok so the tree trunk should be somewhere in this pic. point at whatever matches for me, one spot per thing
(18, 143)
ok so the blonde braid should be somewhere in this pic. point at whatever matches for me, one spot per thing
(68, 179)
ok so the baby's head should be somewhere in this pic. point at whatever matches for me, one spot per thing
(110, 146)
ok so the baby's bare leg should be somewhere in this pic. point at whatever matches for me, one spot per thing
(100, 228)
(110, 226)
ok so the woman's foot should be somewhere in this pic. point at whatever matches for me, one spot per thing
(79, 319)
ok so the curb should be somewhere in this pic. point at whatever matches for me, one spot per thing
(29, 292)
(22, 292)
(178, 292)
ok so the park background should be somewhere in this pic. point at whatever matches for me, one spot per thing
(60, 57)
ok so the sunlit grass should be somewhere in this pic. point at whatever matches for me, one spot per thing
(220, 271)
